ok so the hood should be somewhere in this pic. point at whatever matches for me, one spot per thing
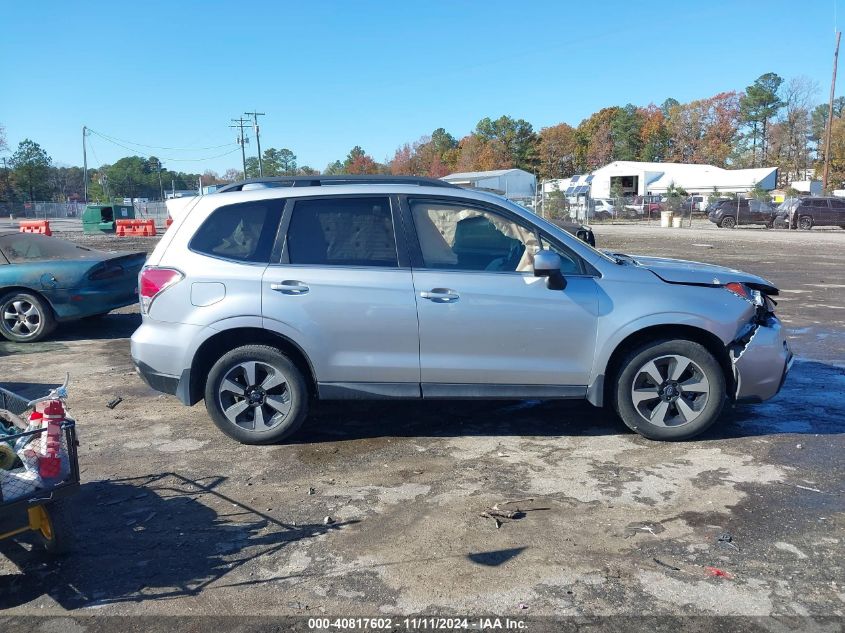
(679, 271)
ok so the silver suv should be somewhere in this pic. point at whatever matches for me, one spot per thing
(271, 294)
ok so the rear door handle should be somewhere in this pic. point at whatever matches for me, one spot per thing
(290, 287)
(440, 295)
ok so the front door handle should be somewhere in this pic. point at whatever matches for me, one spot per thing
(290, 287)
(440, 295)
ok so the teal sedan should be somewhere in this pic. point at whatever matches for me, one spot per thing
(45, 281)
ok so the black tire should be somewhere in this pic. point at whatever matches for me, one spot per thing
(630, 370)
(805, 222)
(62, 536)
(728, 222)
(31, 327)
(292, 394)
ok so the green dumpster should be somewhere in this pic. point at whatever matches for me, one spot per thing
(99, 218)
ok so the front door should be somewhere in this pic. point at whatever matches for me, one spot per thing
(340, 293)
(484, 319)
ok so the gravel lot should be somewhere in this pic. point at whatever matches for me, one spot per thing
(174, 518)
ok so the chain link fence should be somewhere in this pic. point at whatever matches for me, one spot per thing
(58, 210)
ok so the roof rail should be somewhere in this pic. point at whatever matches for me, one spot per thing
(320, 181)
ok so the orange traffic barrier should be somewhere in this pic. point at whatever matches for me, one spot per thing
(135, 228)
(42, 227)
(168, 222)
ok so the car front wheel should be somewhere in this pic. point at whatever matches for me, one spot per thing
(805, 223)
(728, 222)
(670, 390)
(25, 317)
(256, 395)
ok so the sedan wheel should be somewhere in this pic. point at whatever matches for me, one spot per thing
(670, 389)
(256, 395)
(24, 318)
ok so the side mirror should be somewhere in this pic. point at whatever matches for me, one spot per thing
(547, 264)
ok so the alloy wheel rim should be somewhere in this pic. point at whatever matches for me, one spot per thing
(670, 391)
(21, 318)
(254, 396)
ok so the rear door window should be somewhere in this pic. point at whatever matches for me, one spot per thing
(240, 232)
(342, 231)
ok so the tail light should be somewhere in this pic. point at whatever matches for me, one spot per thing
(153, 281)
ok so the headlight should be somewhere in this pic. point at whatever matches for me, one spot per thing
(741, 290)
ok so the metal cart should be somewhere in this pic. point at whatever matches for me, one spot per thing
(28, 502)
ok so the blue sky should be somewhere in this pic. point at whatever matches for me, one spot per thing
(331, 75)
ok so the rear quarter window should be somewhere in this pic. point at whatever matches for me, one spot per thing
(241, 232)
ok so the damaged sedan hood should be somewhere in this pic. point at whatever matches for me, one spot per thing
(679, 271)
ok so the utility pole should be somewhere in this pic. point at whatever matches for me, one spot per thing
(255, 116)
(830, 116)
(160, 186)
(84, 164)
(239, 123)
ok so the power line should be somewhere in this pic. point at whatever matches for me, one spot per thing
(168, 158)
(175, 149)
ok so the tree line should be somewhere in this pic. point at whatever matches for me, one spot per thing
(773, 122)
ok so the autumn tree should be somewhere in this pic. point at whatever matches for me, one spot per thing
(232, 175)
(557, 151)
(478, 154)
(654, 137)
(359, 162)
(837, 154)
(594, 137)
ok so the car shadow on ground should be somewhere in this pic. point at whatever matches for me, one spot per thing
(801, 407)
(156, 537)
(107, 326)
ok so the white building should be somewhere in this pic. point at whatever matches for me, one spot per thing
(640, 179)
(811, 187)
(516, 184)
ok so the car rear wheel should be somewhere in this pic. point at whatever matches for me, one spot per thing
(25, 317)
(728, 222)
(256, 395)
(670, 390)
(805, 223)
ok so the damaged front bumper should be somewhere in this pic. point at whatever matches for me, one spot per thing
(761, 360)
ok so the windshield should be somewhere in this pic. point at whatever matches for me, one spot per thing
(28, 247)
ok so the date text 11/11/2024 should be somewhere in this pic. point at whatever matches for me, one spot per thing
(418, 624)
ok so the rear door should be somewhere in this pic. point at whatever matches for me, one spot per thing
(342, 289)
(821, 212)
(485, 320)
(225, 258)
(837, 212)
